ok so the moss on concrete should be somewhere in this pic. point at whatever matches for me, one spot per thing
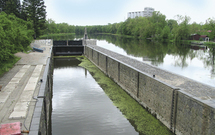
(141, 119)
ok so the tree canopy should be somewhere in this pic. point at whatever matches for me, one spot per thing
(156, 27)
(15, 35)
(11, 6)
(35, 11)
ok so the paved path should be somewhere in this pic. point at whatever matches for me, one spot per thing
(196, 89)
(21, 85)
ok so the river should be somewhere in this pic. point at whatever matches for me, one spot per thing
(191, 61)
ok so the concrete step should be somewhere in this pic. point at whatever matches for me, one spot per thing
(21, 107)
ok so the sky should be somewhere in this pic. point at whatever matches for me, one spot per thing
(102, 12)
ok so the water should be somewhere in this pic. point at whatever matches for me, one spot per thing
(80, 106)
(193, 62)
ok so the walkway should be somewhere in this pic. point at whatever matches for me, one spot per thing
(21, 85)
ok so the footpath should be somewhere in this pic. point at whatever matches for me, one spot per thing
(20, 86)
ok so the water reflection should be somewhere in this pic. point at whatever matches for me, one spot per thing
(195, 62)
(80, 106)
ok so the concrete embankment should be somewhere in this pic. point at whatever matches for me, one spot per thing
(22, 98)
(183, 105)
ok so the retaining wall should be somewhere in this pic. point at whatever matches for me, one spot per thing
(179, 111)
(41, 121)
(89, 42)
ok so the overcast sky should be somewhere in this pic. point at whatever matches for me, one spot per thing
(102, 12)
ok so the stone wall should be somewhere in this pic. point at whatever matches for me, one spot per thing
(194, 116)
(179, 111)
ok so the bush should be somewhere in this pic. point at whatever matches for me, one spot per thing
(15, 35)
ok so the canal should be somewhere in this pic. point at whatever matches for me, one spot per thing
(80, 106)
(90, 103)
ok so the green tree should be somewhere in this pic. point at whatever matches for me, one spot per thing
(172, 23)
(146, 29)
(3, 4)
(35, 11)
(182, 32)
(196, 28)
(158, 22)
(15, 35)
(165, 33)
(210, 25)
(11, 6)
(51, 26)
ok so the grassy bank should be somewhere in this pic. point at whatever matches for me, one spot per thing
(7, 65)
(209, 43)
(142, 120)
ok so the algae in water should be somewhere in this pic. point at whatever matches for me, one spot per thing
(141, 119)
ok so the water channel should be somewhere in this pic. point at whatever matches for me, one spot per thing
(80, 106)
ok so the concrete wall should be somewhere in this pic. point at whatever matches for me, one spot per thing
(89, 42)
(41, 121)
(179, 111)
(195, 116)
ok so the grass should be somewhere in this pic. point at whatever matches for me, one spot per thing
(7, 65)
(142, 120)
(209, 43)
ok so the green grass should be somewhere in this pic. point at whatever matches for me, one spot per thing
(7, 65)
(209, 43)
(142, 120)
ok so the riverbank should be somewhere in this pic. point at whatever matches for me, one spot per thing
(6, 66)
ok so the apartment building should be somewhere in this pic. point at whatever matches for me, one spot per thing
(148, 11)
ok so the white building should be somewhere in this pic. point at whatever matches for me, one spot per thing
(147, 12)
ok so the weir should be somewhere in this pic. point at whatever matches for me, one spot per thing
(183, 105)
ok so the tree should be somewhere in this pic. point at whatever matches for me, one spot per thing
(196, 28)
(210, 25)
(35, 11)
(15, 35)
(165, 33)
(2, 4)
(182, 32)
(172, 23)
(11, 6)
(158, 21)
